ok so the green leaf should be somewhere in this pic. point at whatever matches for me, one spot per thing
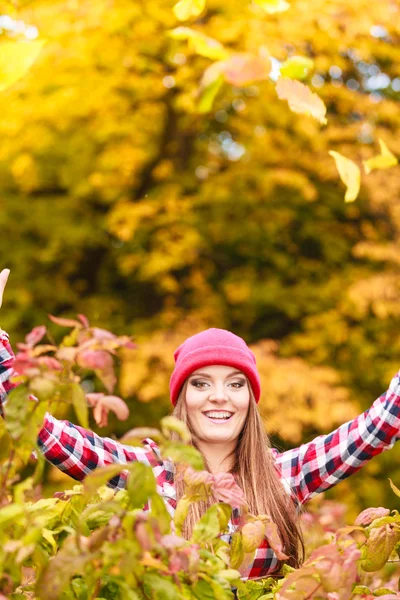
(141, 484)
(74, 394)
(181, 512)
(237, 551)
(172, 424)
(202, 590)
(159, 510)
(208, 527)
(178, 452)
(99, 477)
(9, 514)
(5, 441)
(297, 67)
(208, 93)
(24, 419)
(160, 588)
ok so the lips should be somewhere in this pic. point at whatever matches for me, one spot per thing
(216, 416)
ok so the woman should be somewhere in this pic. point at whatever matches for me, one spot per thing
(215, 389)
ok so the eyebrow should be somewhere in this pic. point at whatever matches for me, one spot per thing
(209, 376)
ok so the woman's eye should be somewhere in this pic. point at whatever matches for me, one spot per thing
(198, 384)
(238, 384)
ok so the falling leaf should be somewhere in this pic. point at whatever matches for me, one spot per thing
(384, 160)
(186, 9)
(16, 58)
(297, 67)
(350, 175)
(200, 44)
(301, 99)
(243, 68)
(208, 91)
(272, 6)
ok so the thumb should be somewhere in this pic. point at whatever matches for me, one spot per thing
(3, 280)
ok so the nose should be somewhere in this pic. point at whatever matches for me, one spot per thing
(218, 394)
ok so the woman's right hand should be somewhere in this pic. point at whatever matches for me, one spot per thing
(3, 280)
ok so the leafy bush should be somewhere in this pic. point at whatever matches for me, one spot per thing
(90, 542)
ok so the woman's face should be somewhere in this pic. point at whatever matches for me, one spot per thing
(217, 403)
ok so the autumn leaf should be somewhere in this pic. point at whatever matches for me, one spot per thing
(186, 9)
(384, 160)
(297, 67)
(16, 58)
(200, 44)
(272, 6)
(35, 335)
(65, 322)
(370, 514)
(225, 489)
(243, 68)
(103, 404)
(210, 85)
(349, 173)
(252, 535)
(301, 99)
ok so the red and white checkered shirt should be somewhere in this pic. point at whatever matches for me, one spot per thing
(305, 471)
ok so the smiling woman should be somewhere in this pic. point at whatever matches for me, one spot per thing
(215, 389)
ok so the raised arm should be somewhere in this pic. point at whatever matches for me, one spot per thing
(73, 449)
(328, 459)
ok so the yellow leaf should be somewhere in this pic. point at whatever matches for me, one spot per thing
(384, 160)
(301, 99)
(16, 58)
(200, 43)
(272, 6)
(185, 9)
(297, 67)
(349, 174)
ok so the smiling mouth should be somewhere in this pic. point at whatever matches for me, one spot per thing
(218, 416)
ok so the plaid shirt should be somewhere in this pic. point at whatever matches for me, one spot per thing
(305, 471)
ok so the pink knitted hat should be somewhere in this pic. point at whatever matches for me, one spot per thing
(213, 347)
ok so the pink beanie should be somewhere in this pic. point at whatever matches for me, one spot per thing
(213, 347)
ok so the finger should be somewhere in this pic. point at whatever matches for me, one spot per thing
(3, 280)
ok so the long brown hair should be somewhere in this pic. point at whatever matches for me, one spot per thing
(254, 469)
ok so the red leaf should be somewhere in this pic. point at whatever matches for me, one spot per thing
(272, 535)
(94, 359)
(35, 335)
(65, 322)
(370, 514)
(102, 406)
(102, 334)
(50, 362)
(84, 320)
(227, 490)
(243, 68)
(23, 361)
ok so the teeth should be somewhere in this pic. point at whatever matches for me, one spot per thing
(218, 415)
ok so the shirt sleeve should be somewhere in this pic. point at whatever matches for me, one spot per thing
(6, 369)
(328, 459)
(73, 449)
(78, 452)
